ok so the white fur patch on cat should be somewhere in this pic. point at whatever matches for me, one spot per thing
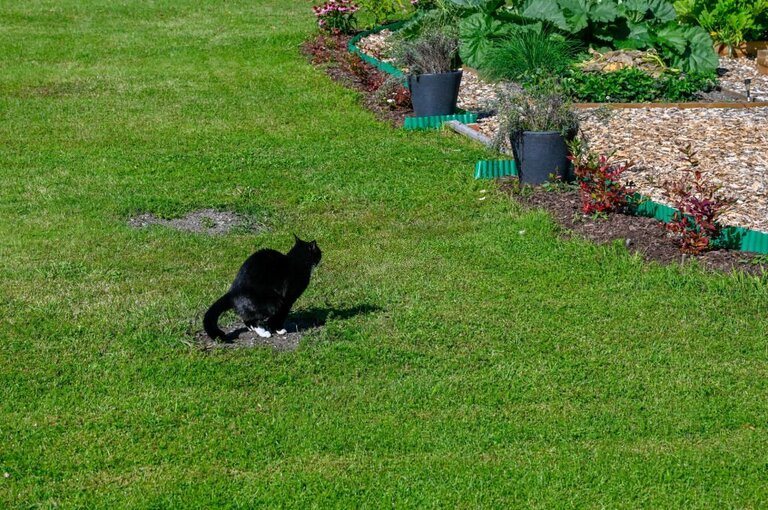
(263, 333)
(281, 331)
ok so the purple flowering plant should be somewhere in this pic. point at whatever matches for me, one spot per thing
(336, 16)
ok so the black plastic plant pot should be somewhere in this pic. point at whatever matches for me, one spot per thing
(539, 155)
(434, 94)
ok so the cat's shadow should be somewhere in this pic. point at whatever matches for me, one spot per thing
(301, 321)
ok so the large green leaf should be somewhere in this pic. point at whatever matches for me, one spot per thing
(674, 36)
(486, 6)
(604, 12)
(663, 10)
(545, 10)
(576, 13)
(700, 55)
(476, 36)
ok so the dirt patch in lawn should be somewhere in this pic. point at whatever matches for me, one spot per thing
(298, 325)
(383, 95)
(645, 236)
(203, 221)
(238, 336)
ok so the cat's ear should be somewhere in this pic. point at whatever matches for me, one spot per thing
(313, 243)
(296, 238)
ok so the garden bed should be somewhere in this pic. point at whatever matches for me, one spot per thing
(381, 93)
(645, 236)
(730, 144)
(478, 95)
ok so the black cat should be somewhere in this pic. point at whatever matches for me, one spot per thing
(265, 289)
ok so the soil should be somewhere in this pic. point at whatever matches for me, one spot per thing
(203, 221)
(238, 336)
(299, 324)
(377, 88)
(645, 236)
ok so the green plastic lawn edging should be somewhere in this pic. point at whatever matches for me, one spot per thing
(746, 239)
(378, 64)
(495, 168)
(438, 120)
(411, 123)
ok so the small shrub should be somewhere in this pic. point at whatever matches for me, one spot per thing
(391, 93)
(336, 16)
(526, 53)
(599, 180)
(320, 49)
(367, 77)
(687, 86)
(622, 86)
(700, 206)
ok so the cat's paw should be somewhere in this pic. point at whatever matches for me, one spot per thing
(263, 333)
(281, 331)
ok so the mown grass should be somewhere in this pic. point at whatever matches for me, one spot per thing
(498, 365)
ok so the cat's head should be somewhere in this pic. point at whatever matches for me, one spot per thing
(309, 250)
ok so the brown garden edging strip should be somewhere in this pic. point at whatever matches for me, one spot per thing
(682, 106)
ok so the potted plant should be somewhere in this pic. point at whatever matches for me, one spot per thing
(433, 74)
(538, 124)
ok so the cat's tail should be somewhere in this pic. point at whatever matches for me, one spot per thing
(211, 318)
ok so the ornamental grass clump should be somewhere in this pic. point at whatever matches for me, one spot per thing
(542, 107)
(599, 178)
(336, 16)
(433, 53)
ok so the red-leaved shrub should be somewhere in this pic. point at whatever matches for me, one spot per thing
(599, 179)
(700, 205)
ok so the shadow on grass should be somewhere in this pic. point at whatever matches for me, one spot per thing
(302, 321)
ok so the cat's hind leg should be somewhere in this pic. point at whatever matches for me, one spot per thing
(256, 309)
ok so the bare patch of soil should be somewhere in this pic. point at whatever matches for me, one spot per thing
(238, 336)
(203, 221)
(645, 236)
(298, 325)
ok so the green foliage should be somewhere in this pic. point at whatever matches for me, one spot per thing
(730, 22)
(635, 86)
(622, 86)
(635, 24)
(527, 52)
(477, 35)
(380, 11)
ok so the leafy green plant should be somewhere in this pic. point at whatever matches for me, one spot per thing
(687, 86)
(729, 22)
(382, 10)
(477, 34)
(628, 24)
(336, 16)
(633, 85)
(526, 52)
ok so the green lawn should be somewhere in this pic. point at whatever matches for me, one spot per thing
(497, 365)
